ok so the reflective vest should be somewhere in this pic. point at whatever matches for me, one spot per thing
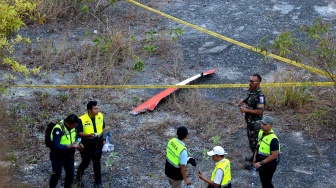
(225, 167)
(67, 137)
(88, 125)
(265, 143)
(174, 149)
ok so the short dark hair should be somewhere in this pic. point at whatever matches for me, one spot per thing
(72, 118)
(182, 132)
(258, 76)
(90, 104)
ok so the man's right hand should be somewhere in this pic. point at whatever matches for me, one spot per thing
(187, 182)
(240, 103)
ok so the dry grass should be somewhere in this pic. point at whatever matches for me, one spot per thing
(309, 108)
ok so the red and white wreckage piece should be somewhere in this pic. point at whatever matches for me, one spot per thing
(151, 103)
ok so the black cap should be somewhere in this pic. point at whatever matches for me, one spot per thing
(182, 132)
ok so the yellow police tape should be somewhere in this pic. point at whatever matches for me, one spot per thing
(291, 62)
(209, 86)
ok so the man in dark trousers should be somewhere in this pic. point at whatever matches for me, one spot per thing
(63, 137)
(91, 129)
(177, 159)
(255, 102)
(266, 157)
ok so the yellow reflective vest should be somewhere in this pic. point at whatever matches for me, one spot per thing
(88, 125)
(264, 143)
(225, 167)
(68, 137)
(174, 149)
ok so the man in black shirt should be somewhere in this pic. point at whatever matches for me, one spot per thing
(266, 157)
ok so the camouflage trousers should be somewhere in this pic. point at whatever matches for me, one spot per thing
(252, 134)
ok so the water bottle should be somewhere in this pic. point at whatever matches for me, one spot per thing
(107, 138)
(77, 141)
(254, 171)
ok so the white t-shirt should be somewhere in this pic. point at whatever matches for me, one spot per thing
(219, 174)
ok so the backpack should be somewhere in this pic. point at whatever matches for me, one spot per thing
(47, 134)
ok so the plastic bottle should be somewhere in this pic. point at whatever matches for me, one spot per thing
(107, 138)
(254, 171)
(77, 141)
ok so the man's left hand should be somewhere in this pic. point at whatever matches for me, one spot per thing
(243, 109)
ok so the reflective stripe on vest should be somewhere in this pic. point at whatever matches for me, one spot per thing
(225, 167)
(174, 149)
(67, 137)
(88, 125)
(265, 143)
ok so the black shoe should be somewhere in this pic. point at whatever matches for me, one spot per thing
(249, 166)
(249, 158)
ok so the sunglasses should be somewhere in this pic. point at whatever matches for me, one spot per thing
(253, 82)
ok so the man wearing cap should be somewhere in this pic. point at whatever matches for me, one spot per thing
(221, 175)
(176, 159)
(255, 102)
(266, 158)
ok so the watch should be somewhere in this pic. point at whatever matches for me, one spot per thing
(261, 163)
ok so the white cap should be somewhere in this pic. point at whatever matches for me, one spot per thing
(217, 150)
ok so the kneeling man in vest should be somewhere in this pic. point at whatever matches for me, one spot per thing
(221, 175)
(176, 159)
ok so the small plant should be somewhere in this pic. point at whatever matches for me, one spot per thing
(9, 77)
(111, 159)
(41, 19)
(151, 49)
(139, 65)
(32, 160)
(36, 70)
(151, 35)
(216, 139)
(85, 9)
(176, 32)
(63, 97)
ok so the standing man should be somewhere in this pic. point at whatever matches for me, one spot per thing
(176, 159)
(221, 175)
(255, 103)
(63, 137)
(267, 155)
(91, 129)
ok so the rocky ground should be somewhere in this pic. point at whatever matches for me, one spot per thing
(140, 140)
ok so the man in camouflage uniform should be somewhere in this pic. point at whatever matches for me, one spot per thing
(255, 102)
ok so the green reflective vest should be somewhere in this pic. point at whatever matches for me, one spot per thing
(88, 125)
(174, 149)
(264, 143)
(68, 137)
(225, 167)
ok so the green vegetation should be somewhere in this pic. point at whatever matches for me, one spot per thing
(312, 45)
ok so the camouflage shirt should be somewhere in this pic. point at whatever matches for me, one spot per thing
(254, 100)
